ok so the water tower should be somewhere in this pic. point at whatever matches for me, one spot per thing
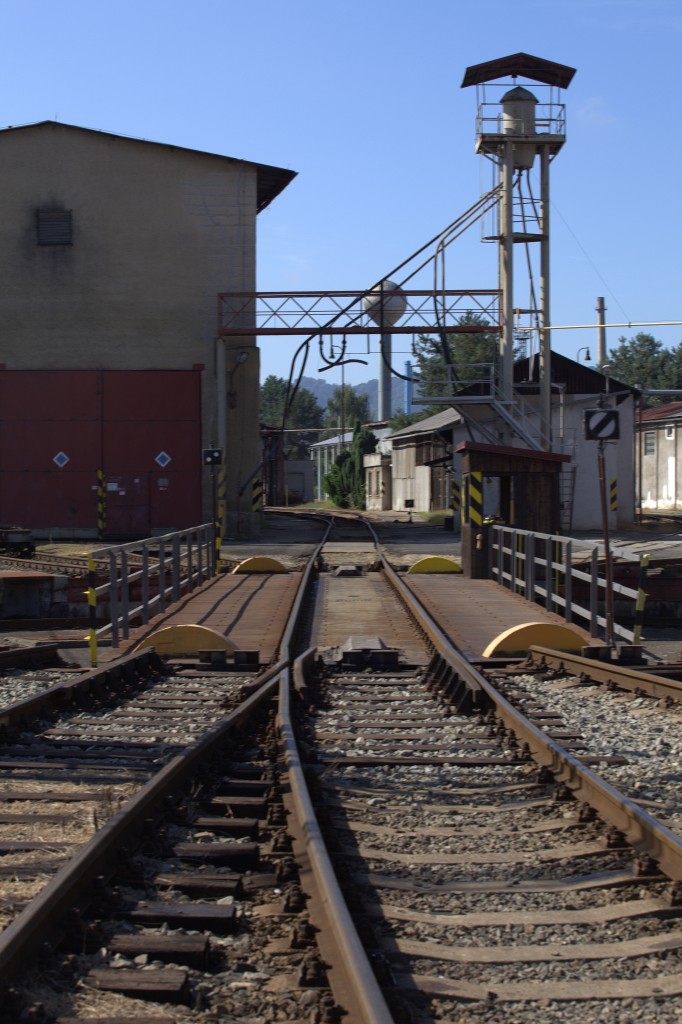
(515, 127)
(385, 304)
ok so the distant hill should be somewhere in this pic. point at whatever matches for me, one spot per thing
(322, 391)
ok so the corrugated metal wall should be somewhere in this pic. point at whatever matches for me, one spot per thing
(141, 428)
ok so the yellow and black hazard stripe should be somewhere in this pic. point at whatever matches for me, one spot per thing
(475, 496)
(257, 496)
(91, 595)
(455, 497)
(101, 504)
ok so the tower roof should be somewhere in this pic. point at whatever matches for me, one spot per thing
(524, 64)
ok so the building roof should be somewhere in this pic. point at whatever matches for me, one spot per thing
(530, 454)
(331, 442)
(577, 378)
(441, 421)
(659, 413)
(271, 180)
(380, 432)
(535, 68)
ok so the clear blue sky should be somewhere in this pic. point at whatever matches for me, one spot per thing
(362, 98)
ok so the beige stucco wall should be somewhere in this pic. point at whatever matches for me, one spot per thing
(378, 492)
(660, 465)
(157, 233)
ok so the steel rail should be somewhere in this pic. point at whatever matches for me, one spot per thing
(352, 979)
(44, 654)
(66, 888)
(643, 832)
(621, 676)
(139, 663)
(435, 635)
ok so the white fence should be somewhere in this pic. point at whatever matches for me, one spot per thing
(157, 571)
(548, 570)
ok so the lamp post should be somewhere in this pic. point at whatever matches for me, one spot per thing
(586, 350)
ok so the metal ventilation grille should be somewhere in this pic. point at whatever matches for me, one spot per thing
(55, 227)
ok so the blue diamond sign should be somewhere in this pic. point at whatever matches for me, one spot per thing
(61, 458)
(163, 458)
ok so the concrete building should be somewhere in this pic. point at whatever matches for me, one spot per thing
(324, 453)
(113, 251)
(425, 463)
(378, 482)
(659, 458)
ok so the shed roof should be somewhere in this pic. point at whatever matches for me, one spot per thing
(439, 421)
(661, 413)
(535, 68)
(577, 378)
(271, 180)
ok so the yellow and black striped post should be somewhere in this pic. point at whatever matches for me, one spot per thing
(613, 495)
(219, 513)
(475, 503)
(91, 594)
(101, 504)
(641, 600)
(257, 496)
(455, 497)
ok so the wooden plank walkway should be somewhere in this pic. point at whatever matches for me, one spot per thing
(474, 612)
(355, 606)
(250, 610)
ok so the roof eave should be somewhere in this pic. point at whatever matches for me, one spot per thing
(536, 68)
(271, 181)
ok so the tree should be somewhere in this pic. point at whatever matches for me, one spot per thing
(345, 407)
(473, 354)
(304, 412)
(404, 419)
(345, 482)
(643, 362)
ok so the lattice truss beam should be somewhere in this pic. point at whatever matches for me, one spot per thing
(427, 310)
(343, 312)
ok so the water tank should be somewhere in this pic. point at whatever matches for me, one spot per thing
(518, 118)
(385, 304)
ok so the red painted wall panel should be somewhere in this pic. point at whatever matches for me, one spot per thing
(119, 421)
(57, 394)
(33, 445)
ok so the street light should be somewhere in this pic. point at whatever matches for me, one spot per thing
(586, 350)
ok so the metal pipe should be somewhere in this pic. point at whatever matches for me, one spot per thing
(608, 574)
(386, 356)
(591, 327)
(507, 270)
(601, 331)
(545, 338)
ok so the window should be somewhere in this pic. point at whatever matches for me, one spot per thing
(55, 227)
(670, 431)
(649, 442)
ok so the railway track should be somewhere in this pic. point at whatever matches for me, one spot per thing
(491, 866)
(71, 565)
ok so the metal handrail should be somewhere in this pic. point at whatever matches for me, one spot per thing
(540, 567)
(182, 561)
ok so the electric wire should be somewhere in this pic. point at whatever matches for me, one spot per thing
(443, 239)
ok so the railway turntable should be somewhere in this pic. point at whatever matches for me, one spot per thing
(475, 612)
